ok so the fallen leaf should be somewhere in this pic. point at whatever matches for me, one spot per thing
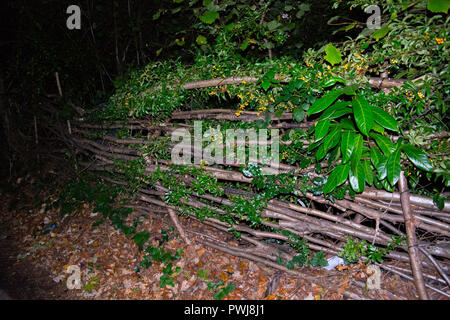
(223, 276)
(342, 287)
(229, 269)
(341, 267)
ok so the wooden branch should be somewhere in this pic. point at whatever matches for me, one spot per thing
(376, 82)
(414, 199)
(416, 266)
(227, 114)
(174, 217)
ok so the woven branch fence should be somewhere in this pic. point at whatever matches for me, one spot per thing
(373, 215)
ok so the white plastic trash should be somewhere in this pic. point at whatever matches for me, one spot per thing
(333, 262)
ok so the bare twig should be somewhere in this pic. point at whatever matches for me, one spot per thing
(58, 84)
(434, 262)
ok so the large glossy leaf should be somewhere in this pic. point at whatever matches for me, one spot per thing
(356, 178)
(336, 178)
(384, 119)
(382, 168)
(321, 153)
(368, 172)
(377, 128)
(347, 144)
(314, 145)
(417, 157)
(375, 156)
(393, 166)
(357, 150)
(384, 143)
(337, 110)
(335, 113)
(332, 139)
(322, 129)
(324, 102)
(348, 124)
(363, 114)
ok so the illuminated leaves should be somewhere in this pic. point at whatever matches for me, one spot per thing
(333, 55)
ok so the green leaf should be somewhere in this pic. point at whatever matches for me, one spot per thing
(384, 119)
(272, 25)
(336, 178)
(298, 114)
(348, 124)
(386, 185)
(244, 44)
(380, 33)
(393, 166)
(279, 113)
(382, 168)
(368, 172)
(265, 84)
(384, 143)
(438, 5)
(377, 128)
(318, 260)
(347, 145)
(363, 114)
(356, 178)
(331, 81)
(337, 110)
(324, 102)
(315, 145)
(439, 201)
(417, 157)
(351, 89)
(229, 27)
(333, 55)
(209, 17)
(332, 139)
(320, 153)
(201, 40)
(157, 15)
(141, 238)
(322, 129)
(375, 156)
(357, 150)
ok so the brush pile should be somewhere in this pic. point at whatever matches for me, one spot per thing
(271, 215)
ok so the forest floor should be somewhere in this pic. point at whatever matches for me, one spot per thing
(35, 261)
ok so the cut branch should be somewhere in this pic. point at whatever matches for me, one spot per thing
(416, 266)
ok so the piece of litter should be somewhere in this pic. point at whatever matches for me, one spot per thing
(333, 262)
(309, 297)
(59, 278)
